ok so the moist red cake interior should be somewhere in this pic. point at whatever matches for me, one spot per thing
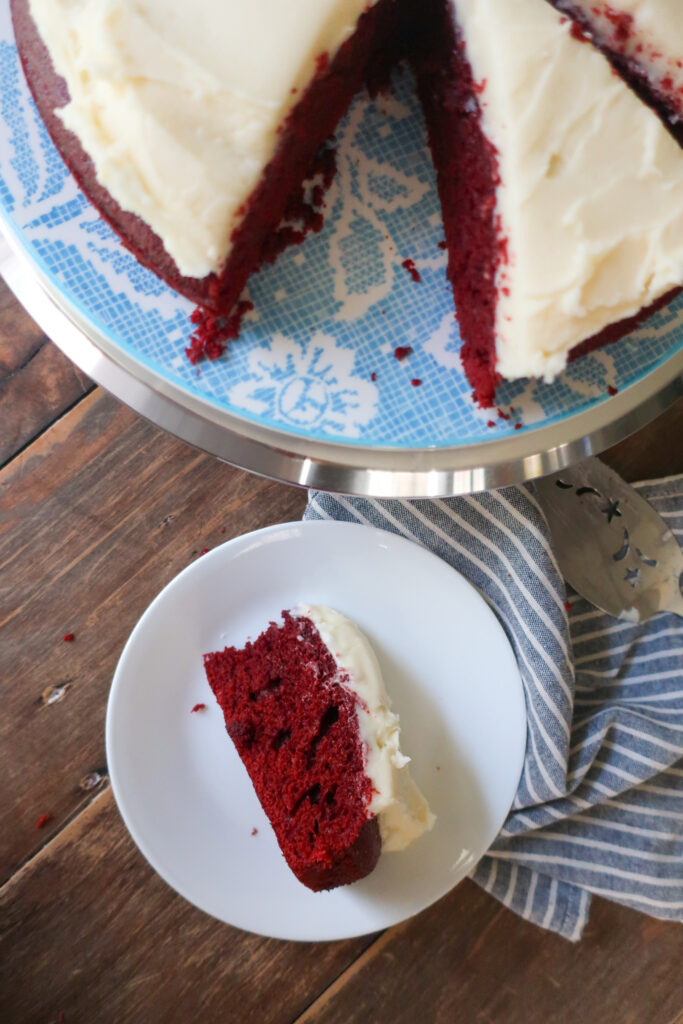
(295, 728)
(467, 175)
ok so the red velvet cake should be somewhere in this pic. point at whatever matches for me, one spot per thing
(643, 40)
(304, 130)
(192, 128)
(559, 188)
(305, 706)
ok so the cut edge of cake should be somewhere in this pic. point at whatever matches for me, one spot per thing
(307, 127)
(555, 268)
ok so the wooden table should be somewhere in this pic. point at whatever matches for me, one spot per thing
(98, 511)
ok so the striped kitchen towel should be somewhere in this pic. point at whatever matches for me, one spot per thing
(600, 803)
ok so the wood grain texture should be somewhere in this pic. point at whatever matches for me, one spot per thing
(467, 960)
(655, 451)
(95, 518)
(87, 929)
(37, 382)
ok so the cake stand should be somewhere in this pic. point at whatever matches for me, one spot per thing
(311, 393)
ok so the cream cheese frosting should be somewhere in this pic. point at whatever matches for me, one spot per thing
(591, 192)
(401, 808)
(650, 32)
(178, 103)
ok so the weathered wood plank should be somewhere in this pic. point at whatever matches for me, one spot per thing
(88, 930)
(37, 382)
(469, 960)
(96, 516)
(655, 451)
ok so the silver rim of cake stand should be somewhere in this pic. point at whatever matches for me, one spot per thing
(346, 469)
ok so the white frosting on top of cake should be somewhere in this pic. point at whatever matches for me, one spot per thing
(178, 102)
(591, 193)
(651, 35)
(402, 810)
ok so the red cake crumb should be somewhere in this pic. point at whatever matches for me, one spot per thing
(68, 638)
(580, 32)
(402, 352)
(212, 332)
(622, 22)
(222, 529)
(254, 831)
(491, 423)
(373, 377)
(204, 551)
(43, 820)
(296, 730)
(503, 415)
(416, 382)
(518, 426)
(409, 265)
(568, 606)
(443, 245)
(198, 707)
(612, 391)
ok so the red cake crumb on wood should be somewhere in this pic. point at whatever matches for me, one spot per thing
(295, 728)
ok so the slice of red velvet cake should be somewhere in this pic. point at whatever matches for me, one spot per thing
(191, 127)
(643, 40)
(562, 192)
(306, 708)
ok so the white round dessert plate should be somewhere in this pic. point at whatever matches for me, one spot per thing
(311, 391)
(183, 791)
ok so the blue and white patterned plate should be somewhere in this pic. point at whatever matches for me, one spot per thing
(327, 315)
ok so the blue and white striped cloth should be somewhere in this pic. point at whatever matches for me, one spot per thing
(600, 803)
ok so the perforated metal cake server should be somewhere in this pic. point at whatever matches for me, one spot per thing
(611, 545)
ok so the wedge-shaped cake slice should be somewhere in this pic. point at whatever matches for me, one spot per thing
(190, 124)
(562, 191)
(307, 710)
(643, 40)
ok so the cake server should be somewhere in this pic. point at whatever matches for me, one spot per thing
(611, 545)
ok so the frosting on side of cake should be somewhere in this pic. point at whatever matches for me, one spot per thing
(590, 200)
(648, 32)
(401, 808)
(178, 104)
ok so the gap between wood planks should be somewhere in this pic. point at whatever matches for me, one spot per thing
(369, 953)
(48, 426)
(102, 787)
